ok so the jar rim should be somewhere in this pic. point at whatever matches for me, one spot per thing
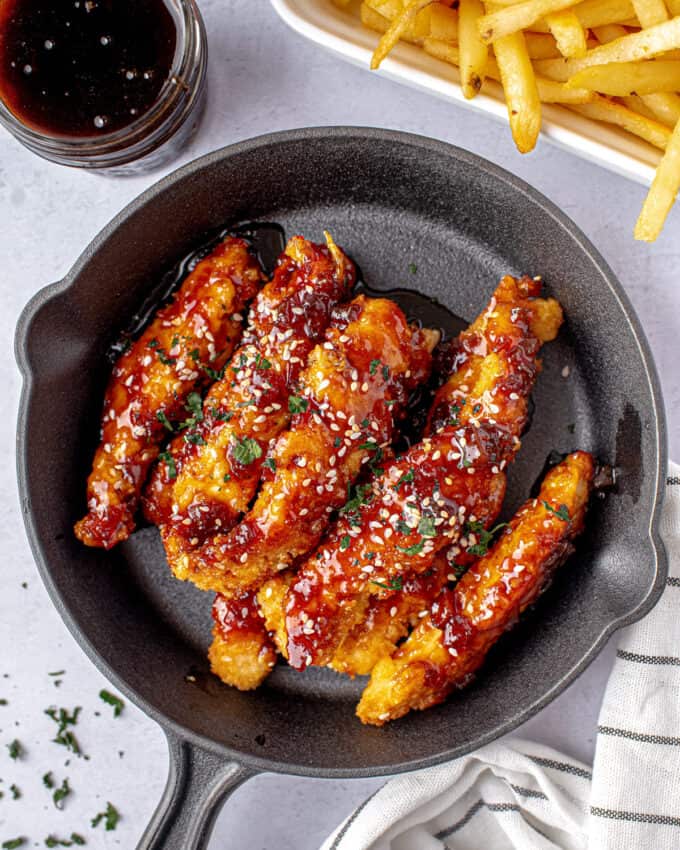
(175, 99)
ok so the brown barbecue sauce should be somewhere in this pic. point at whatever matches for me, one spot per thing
(83, 67)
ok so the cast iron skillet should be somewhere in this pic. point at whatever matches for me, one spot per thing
(391, 200)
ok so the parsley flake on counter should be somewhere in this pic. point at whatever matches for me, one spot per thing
(48, 780)
(63, 720)
(15, 749)
(57, 673)
(413, 268)
(561, 513)
(13, 843)
(3, 702)
(16, 792)
(113, 700)
(61, 794)
(110, 816)
(53, 841)
(297, 404)
(246, 450)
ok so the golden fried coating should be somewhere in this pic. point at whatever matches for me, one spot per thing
(424, 500)
(214, 467)
(354, 387)
(186, 342)
(241, 654)
(451, 643)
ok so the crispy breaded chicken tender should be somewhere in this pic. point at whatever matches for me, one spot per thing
(450, 644)
(150, 385)
(424, 500)
(214, 467)
(241, 654)
(353, 391)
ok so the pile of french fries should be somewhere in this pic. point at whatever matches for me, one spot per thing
(616, 61)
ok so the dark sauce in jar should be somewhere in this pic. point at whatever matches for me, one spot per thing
(83, 67)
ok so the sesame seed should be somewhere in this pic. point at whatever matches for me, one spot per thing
(243, 558)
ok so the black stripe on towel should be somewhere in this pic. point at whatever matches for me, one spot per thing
(527, 792)
(635, 817)
(563, 767)
(638, 736)
(667, 660)
(343, 831)
(491, 807)
(673, 581)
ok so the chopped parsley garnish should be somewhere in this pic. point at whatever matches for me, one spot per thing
(562, 512)
(270, 463)
(63, 720)
(371, 445)
(163, 357)
(426, 526)
(15, 749)
(406, 478)
(485, 537)
(110, 816)
(373, 367)
(175, 341)
(48, 780)
(163, 419)
(195, 406)
(356, 496)
(297, 404)
(215, 375)
(169, 461)
(195, 354)
(154, 343)
(61, 793)
(337, 442)
(226, 478)
(16, 792)
(403, 527)
(221, 415)
(477, 408)
(194, 439)
(365, 423)
(344, 542)
(395, 583)
(13, 843)
(112, 699)
(413, 268)
(386, 373)
(262, 362)
(416, 549)
(246, 450)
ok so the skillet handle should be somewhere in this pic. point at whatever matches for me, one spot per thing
(199, 782)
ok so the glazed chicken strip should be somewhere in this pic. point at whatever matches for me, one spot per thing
(386, 623)
(425, 500)
(183, 346)
(213, 469)
(241, 654)
(451, 643)
(354, 387)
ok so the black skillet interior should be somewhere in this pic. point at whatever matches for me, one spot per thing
(393, 201)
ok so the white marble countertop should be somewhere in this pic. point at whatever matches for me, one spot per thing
(262, 78)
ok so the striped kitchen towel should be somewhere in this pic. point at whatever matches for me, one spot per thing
(516, 794)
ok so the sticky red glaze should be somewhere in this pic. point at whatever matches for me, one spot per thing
(155, 378)
(454, 476)
(355, 386)
(211, 487)
(239, 615)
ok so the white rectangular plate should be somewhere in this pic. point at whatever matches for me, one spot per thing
(341, 31)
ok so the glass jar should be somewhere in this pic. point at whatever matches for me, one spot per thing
(159, 134)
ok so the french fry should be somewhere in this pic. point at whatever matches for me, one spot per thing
(568, 33)
(396, 29)
(662, 193)
(673, 7)
(443, 22)
(609, 32)
(548, 90)
(665, 106)
(541, 46)
(473, 52)
(521, 91)
(597, 13)
(511, 19)
(650, 12)
(620, 79)
(636, 104)
(375, 21)
(603, 109)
